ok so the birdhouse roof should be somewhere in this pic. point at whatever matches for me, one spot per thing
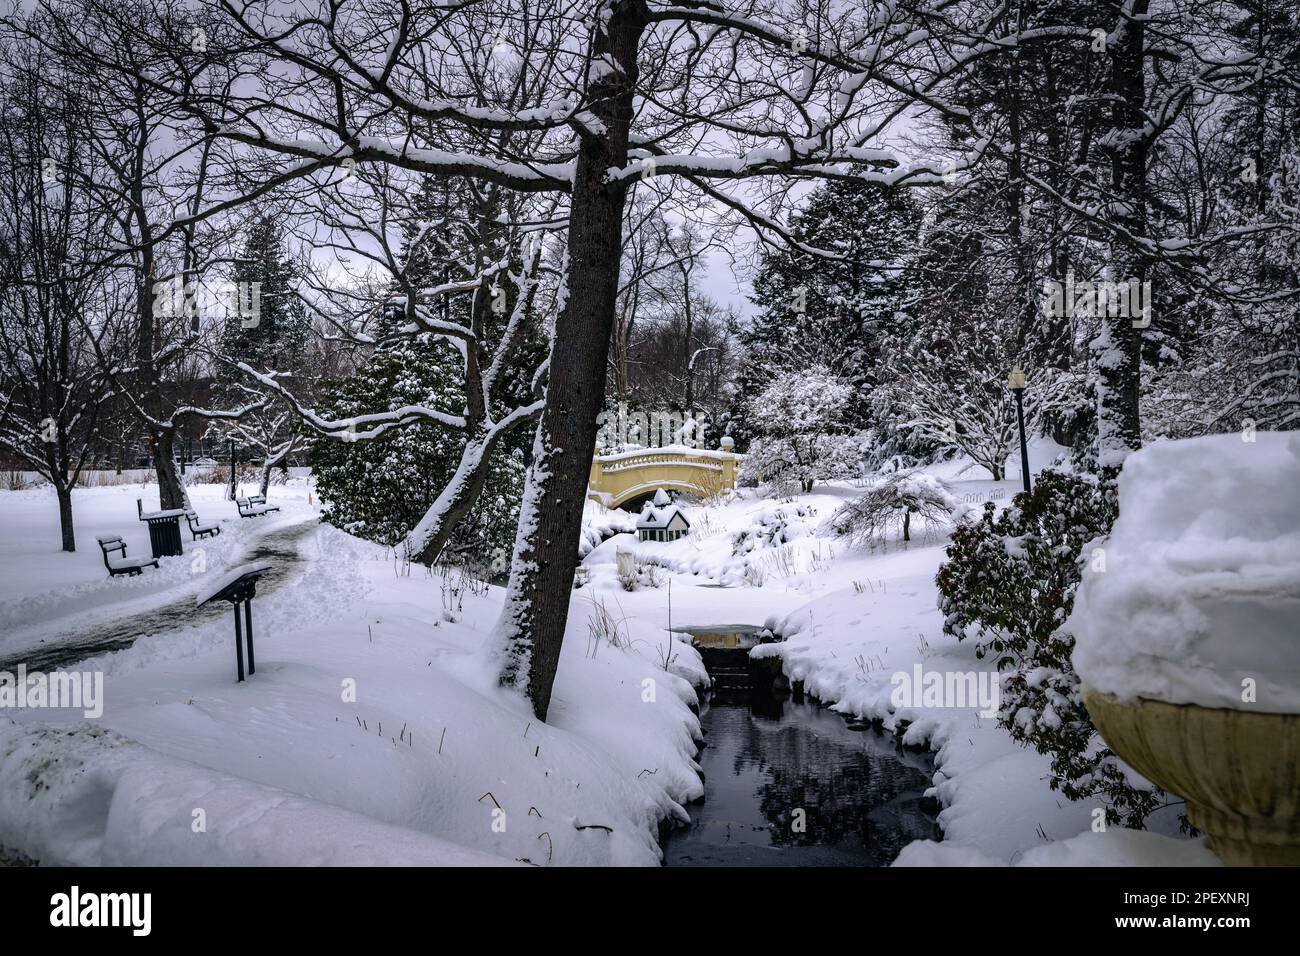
(653, 517)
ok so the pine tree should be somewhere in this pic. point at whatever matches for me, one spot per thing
(267, 326)
(837, 312)
(380, 489)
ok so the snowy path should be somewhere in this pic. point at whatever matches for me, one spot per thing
(69, 640)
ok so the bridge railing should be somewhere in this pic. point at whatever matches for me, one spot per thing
(704, 470)
(641, 461)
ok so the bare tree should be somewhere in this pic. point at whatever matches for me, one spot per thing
(153, 177)
(539, 96)
(472, 272)
(50, 388)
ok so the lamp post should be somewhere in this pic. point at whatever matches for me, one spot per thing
(1016, 382)
(690, 377)
(233, 485)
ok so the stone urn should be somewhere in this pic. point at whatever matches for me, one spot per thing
(1238, 770)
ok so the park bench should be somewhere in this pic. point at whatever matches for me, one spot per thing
(122, 564)
(254, 506)
(198, 529)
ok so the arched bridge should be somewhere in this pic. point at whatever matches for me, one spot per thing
(622, 478)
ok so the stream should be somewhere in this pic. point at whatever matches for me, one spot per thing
(794, 784)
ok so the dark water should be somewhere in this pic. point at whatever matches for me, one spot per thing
(767, 758)
(278, 546)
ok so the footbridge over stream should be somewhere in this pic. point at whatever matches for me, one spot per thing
(624, 478)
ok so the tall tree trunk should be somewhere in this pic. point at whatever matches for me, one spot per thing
(1118, 346)
(1026, 304)
(533, 621)
(64, 494)
(170, 493)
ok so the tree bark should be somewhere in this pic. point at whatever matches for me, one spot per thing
(64, 495)
(170, 493)
(1118, 345)
(457, 500)
(531, 629)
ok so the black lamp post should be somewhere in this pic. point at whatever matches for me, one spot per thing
(1016, 382)
(233, 486)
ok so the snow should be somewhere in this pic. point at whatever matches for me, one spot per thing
(1117, 847)
(291, 766)
(1199, 594)
(169, 513)
(375, 731)
(48, 594)
(660, 513)
(86, 797)
(210, 591)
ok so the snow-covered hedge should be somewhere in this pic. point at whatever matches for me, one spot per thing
(1009, 583)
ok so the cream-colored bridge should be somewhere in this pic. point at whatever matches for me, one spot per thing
(618, 479)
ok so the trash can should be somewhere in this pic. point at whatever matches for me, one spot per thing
(164, 530)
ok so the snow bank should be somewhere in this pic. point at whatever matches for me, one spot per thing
(89, 797)
(1200, 593)
(373, 732)
(1109, 848)
(600, 523)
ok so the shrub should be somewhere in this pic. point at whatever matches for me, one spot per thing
(888, 504)
(772, 527)
(1009, 583)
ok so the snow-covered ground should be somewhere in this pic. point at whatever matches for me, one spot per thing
(373, 732)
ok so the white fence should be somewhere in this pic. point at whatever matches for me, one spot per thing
(99, 477)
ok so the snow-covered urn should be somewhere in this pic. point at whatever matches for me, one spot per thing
(1187, 628)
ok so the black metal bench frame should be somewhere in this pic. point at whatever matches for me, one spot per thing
(254, 506)
(117, 544)
(196, 529)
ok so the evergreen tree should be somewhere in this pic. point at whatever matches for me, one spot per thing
(381, 488)
(837, 312)
(267, 326)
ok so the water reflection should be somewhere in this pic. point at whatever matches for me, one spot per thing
(765, 760)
